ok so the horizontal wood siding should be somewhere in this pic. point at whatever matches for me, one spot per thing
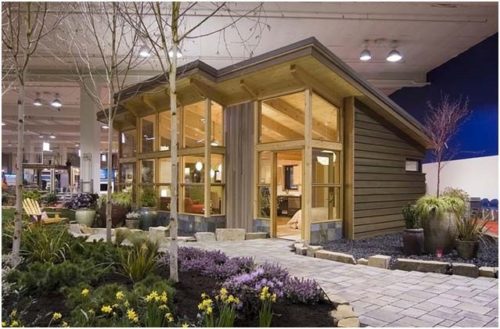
(239, 162)
(381, 184)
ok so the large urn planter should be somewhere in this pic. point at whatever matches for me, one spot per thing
(467, 249)
(440, 233)
(85, 216)
(413, 241)
(148, 217)
(132, 223)
(118, 213)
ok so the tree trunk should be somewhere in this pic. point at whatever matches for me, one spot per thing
(109, 159)
(438, 178)
(174, 272)
(18, 224)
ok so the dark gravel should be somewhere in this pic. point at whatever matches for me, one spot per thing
(392, 245)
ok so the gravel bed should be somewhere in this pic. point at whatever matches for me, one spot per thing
(392, 245)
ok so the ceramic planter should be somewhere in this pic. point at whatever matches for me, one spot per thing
(148, 217)
(118, 213)
(413, 241)
(85, 216)
(132, 223)
(467, 249)
(440, 233)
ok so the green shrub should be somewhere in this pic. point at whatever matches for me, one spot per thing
(50, 198)
(32, 194)
(428, 206)
(122, 198)
(100, 253)
(141, 259)
(148, 197)
(121, 235)
(42, 278)
(410, 216)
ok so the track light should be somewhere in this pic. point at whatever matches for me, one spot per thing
(365, 55)
(394, 56)
(56, 102)
(37, 101)
(144, 52)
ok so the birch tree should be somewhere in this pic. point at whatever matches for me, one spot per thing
(102, 45)
(441, 123)
(165, 35)
(24, 26)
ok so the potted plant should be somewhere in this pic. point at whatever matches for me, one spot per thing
(148, 214)
(439, 221)
(84, 205)
(413, 235)
(470, 230)
(121, 203)
(132, 221)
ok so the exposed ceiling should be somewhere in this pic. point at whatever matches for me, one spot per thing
(428, 35)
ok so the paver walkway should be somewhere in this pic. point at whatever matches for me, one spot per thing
(384, 298)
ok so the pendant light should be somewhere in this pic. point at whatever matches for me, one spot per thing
(56, 102)
(365, 54)
(37, 101)
(394, 55)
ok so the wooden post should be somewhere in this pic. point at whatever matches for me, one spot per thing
(274, 199)
(307, 171)
(208, 154)
(256, 159)
(348, 124)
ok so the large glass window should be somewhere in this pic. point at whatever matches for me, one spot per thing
(194, 125)
(282, 118)
(325, 120)
(326, 186)
(192, 187)
(217, 183)
(148, 172)
(148, 133)
(128, 141)
(217, 115)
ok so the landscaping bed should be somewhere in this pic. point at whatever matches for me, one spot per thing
(392, 245)
(64, 281)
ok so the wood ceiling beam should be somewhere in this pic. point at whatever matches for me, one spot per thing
(249, 90)
(208, 92)
(304, 77)
(280, 129)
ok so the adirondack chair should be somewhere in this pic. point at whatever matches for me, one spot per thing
(32, 208)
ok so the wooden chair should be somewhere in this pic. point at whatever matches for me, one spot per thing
(32, 208)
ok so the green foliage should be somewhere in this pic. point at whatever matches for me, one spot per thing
(121, 235)
(410, 216)
(46, 243)
(42, 278)
(32, 194)
(456, 193)
(101, 253)
(428, 206)
(122, 198)
(50, 198)
(148, 197)
(470, 228)
(141, 259)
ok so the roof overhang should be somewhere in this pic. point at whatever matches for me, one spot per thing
(305, 64)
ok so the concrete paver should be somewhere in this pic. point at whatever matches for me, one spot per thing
(383, 298)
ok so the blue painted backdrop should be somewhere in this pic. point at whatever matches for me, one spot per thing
(472, 74)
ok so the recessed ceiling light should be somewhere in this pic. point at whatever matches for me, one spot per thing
(52, 136)
(394, 56)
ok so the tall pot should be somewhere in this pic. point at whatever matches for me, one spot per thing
(148, 217)
(467, 249)
(118, 213)
(413, 241)
(440, 233)
(85, 216)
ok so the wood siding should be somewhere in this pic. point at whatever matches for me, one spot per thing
(239, 165)
(381, 184)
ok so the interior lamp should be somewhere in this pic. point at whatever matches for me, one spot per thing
(198, 166)
(324, 161)
(144, 52)
(56, 102)
(212, 173)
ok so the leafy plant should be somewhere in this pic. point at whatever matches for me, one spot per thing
(456, 193)
(148, 197)
(139, 260)
(266, 312)
(410, 216)
(50, 198)
(428, 206)
(121, 235)
(44, 243)
(32, 194)
(470, 228)
(304, 291)
(83, 200)
(122, 198)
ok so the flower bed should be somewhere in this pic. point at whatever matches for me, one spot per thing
(63, 281)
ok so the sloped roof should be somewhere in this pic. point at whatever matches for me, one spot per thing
(308, 55)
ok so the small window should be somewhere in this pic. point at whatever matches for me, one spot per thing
(413, 165)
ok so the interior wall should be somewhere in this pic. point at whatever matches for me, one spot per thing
(477, 176)
(239, 138)
(297, 177)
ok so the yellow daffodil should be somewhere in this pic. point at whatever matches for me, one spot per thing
(206, 306)
(106, 309)
(204, 296)
(185, 325)
(65, 324)
(273, 298)
(85, 292)
(14, 323)
(56, 316)
(13, 313)
(163, 307)
(170, 317)
(152, 297)
(208, 310)
(4, 324)
(119, 295)
(132, 315)
(163, 297)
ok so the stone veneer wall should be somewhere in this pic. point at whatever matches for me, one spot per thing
(324, 232)
(190, 224)
(261, 225)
